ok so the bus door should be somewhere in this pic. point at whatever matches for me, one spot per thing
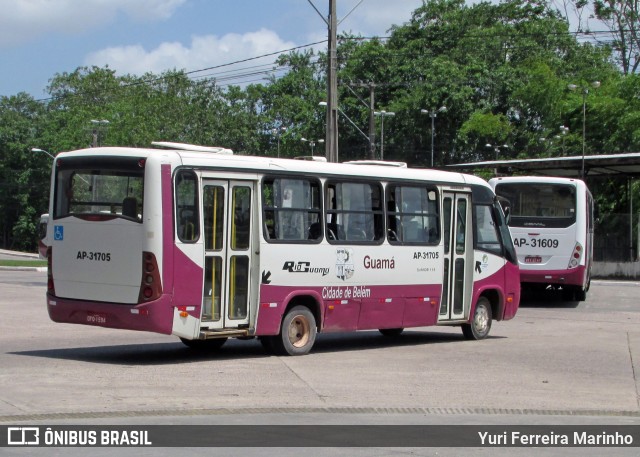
(458, 256)
(227, 238)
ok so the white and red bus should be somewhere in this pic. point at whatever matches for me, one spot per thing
(551, 222)
(204, 245)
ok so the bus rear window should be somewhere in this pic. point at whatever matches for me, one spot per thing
(99, 188)
(540, 204)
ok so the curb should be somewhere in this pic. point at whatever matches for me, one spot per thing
(19, 254)
(38, 269)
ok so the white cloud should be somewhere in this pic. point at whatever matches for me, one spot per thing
(375, 17)
(203, 52)
(24, 20)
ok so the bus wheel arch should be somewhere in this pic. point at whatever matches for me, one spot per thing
(496, 301)
(480, 324)
(299, 327)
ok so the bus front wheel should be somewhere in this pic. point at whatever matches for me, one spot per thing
(298, 332)
(478, 328)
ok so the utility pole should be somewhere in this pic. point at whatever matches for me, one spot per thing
(372, 121)
(372, 109)
(331, 142)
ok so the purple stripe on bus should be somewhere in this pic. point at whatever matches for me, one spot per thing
(188, 282)
(573, 277)
(149, 317)
(353, 307)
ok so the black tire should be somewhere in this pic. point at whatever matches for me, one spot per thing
(391, 331)
(480, 325)
(298, 332)
(574, 293)
(204, 345)
(568, 293)
(581, 293)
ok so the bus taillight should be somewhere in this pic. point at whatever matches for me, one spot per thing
(575, 256)
(50, 285)
(150, 286)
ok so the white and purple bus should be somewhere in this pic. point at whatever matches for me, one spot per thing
(206, 245)
(551, 222)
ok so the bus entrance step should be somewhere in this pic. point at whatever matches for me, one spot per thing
(210, 334)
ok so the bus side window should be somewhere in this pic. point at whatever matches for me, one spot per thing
(487, 237)
(187, 216)
(354, 212)
(412, 215)
(291, 210)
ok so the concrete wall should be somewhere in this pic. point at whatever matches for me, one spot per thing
(622, 270)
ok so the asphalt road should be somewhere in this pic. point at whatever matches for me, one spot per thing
(555, 363)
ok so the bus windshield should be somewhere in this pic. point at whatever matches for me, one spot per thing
(540, 204)
(100, 189)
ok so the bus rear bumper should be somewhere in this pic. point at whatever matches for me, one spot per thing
(149, 317)
(573, 277)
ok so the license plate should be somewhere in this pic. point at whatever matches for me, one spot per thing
(533, 259)
(96, 318)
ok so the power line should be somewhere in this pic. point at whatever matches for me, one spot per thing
(192, 72)
(597, 34)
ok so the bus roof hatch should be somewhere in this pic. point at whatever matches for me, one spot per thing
(190, 147)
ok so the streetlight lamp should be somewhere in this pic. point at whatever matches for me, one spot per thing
(563, 130)
(42, 150)
(312, 143)
(382, 115)
(496, 148)
(96, 131)
(585, 91)
(433, 113)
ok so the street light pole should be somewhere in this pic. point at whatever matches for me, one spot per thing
(564, 130)
(42, 150)
(585, 92)
(278, 132)
(312, 143)
(382, 115)
(433, 113)
(497, 148)
(97, 130)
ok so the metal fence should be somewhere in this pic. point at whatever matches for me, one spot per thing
(616, 238)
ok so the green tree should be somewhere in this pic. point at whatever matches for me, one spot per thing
(24, 175)
(290, 104)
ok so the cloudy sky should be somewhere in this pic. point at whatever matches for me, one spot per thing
(39, 38)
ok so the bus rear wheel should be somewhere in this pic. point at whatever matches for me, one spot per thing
(480, 325)
(298, 332)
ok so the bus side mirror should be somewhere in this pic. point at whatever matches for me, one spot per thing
(506, 208)
(507, 214)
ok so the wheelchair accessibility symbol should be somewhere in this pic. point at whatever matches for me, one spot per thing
(58, 232)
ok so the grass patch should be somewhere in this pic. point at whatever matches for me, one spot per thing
(23, 263)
